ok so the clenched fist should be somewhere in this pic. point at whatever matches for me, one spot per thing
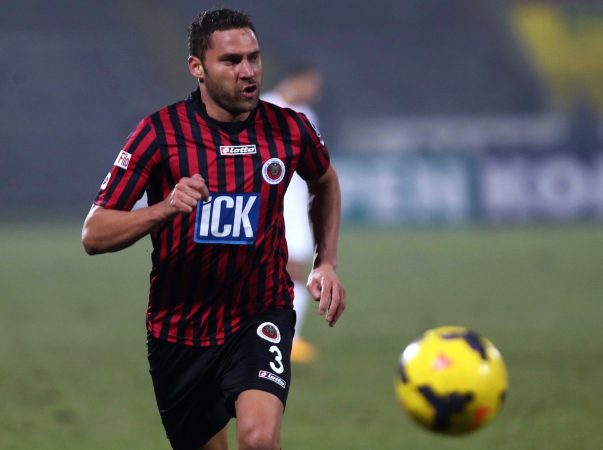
(186, 194)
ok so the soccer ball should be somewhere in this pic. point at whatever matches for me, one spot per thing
(451, 380)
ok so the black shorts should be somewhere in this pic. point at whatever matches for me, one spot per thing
(196, 387)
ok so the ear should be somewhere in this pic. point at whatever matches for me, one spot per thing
(195, 67)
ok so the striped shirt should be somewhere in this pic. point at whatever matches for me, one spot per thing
(226, 260)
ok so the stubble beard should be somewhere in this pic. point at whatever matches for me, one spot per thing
(228, 100)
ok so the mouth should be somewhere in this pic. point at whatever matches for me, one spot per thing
(250, 91)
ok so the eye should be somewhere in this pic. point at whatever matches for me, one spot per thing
(232, 59)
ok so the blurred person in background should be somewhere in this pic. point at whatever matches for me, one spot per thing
(220, 319)
(299, 89)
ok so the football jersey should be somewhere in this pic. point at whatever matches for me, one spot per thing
(226, 260)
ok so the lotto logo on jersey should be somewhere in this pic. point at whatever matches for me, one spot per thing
(233, 150)
(228, 219)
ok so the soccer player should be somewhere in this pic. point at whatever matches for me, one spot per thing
(299, 89)
(215, 168)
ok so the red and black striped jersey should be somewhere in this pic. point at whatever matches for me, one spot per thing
(225, 261)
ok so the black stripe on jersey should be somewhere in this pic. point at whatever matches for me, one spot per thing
(199, 252)
(135, 144)
(180, 251)
(164, 280)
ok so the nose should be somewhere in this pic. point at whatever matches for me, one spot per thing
(247, 69)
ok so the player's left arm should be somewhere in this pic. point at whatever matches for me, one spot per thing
(324, 213)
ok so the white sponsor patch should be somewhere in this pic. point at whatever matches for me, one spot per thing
(233, 150)
(106, 181)
(273, 171)
(272, 377)
(123, 159)
(227, 218)
(270, 332)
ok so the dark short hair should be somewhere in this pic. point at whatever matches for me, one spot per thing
(200, 31)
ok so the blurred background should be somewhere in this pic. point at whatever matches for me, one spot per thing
(469, 142)
(451, 111)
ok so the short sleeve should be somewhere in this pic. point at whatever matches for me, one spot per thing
(315, 159)
(128, 178)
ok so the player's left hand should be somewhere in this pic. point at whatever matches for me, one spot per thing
(324, 286)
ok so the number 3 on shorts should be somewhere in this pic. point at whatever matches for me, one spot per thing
(278, 358)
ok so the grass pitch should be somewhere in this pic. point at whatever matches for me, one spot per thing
(73, 371)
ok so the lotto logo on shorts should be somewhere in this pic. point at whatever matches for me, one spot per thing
(228, 219)
(272, 377)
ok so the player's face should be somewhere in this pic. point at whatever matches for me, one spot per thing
(232, 74)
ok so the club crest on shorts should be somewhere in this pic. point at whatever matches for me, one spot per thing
(273, 171)
(270, 332)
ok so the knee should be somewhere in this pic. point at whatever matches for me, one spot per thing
(257, 437)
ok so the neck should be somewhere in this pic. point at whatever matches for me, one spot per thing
(218, 112)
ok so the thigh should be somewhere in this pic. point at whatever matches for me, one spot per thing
(259, 358)
(187, 390)
(259, 418)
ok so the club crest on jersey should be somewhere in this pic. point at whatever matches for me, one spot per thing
(273, 171)
(228, 218)
(123, 160)
(105, 181)
(234, 150)
(270, 332)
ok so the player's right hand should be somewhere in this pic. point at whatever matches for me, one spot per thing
(324, 286)
(186, 194)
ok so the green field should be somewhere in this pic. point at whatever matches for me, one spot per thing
(73, 371)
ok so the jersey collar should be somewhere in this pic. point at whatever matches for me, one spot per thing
(231, 127)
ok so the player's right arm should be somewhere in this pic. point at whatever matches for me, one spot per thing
(110, 230)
